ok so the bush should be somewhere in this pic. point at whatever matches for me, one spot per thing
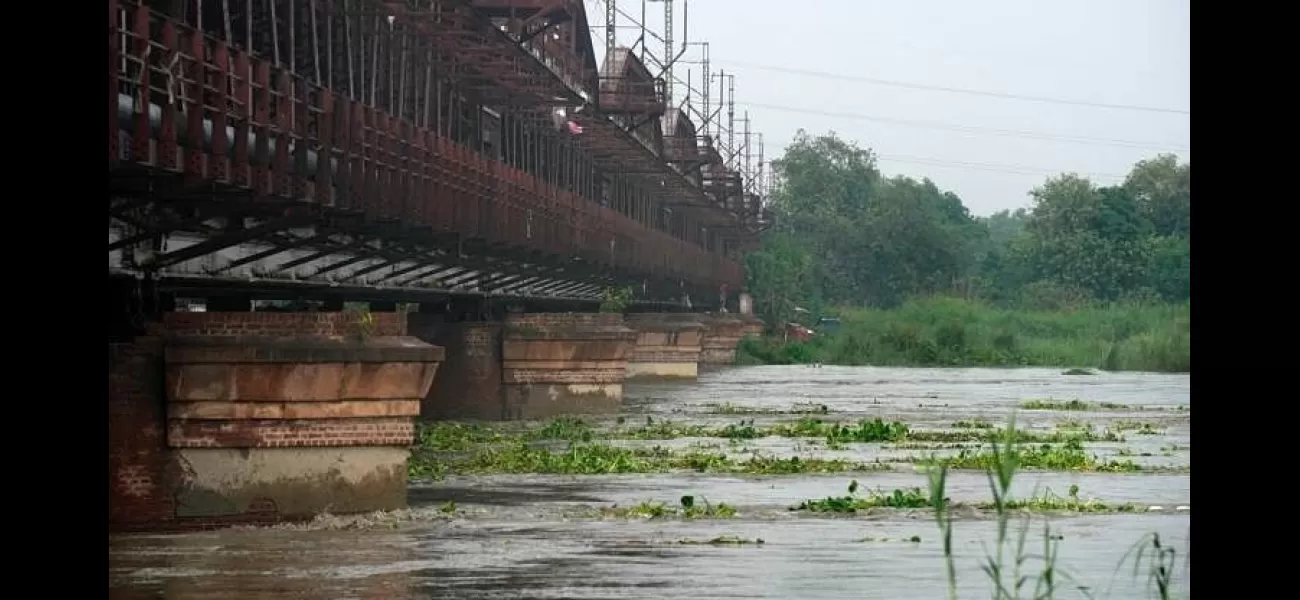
(956, 332)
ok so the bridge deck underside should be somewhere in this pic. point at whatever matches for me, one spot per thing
(253, 172)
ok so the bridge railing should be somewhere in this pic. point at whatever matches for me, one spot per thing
(193, 105)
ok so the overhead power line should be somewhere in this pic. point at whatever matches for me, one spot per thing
(991, 167)
(955, 90)
(980, 130)
(1013, 169)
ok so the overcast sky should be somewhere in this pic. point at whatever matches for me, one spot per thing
(1120, 52)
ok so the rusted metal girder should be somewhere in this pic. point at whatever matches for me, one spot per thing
(219, 117)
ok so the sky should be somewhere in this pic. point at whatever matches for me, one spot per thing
(988, 149)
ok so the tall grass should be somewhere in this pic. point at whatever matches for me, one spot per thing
(1010, 567)
(959, 333)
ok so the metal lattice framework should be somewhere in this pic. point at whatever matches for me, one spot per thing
(410, 146)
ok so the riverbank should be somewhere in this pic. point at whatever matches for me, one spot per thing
(948, 332)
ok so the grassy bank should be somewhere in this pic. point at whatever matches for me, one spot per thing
(947, 332)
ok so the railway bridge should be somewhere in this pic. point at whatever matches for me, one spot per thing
(462, 172)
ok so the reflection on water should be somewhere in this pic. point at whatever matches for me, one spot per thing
(516, 535)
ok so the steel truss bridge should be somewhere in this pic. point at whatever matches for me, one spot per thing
(417, 147)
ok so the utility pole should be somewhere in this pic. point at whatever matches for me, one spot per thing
(749, 173)
(611, 27)
(668, 52)
(731, 120)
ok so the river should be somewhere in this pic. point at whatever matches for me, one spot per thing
(532, 536)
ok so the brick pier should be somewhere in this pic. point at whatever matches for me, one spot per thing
(667, 346)
(220, 418)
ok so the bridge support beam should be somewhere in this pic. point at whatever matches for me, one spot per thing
(667, 346)
(221, 418)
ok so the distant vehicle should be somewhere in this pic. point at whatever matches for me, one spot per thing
(828, 324)
(795, 331)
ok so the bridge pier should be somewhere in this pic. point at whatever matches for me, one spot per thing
(468, 386)
(531, 366)
(564, 363)
(667, 346)
(220, 418)
(722, 335)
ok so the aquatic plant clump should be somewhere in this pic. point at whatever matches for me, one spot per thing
(1011, 567)
(910, 498)
(596, 459)
(1068, 405)
(687, 509)
(1070, 456)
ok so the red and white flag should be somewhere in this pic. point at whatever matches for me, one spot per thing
(574, 128)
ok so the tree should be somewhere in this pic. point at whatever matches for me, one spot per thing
(846, 235)
(1163, 191)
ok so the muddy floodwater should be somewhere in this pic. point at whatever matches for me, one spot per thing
(541, 536)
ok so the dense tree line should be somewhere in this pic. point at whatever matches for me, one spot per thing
(845, 235)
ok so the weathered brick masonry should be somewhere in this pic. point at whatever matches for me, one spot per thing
(468, 386)
(228, 417)
(667, 346)
(564, 363)
(722, 334)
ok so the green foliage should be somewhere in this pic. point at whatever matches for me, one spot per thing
(1005, 565)
(615, 300)
(847, 236)
(361, 324)
(909, 498)
(956, 332)
(688, 509)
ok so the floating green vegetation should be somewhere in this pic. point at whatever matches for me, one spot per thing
(596, 458)
(725, 540)
(1078, 372)
(916, 539)
(1048, 501)
(918, 498)
(505, 448)
(800, 408)
(875, 430)
(909, 498)
(1137, 427)
(1069, 456)
(1011, 553)
(1079, 405)
(686, 509)
(974, 424)
(452, 436)
(662, 430)
(928, 446)
(1021, 436)
(571, 429)
(1130, 452)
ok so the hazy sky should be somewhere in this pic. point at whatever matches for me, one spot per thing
(1124, 52)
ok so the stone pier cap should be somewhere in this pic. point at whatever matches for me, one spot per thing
(186, 349)
(568, 326)
(666, 322)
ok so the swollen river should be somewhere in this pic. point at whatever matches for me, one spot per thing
(541, 536)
